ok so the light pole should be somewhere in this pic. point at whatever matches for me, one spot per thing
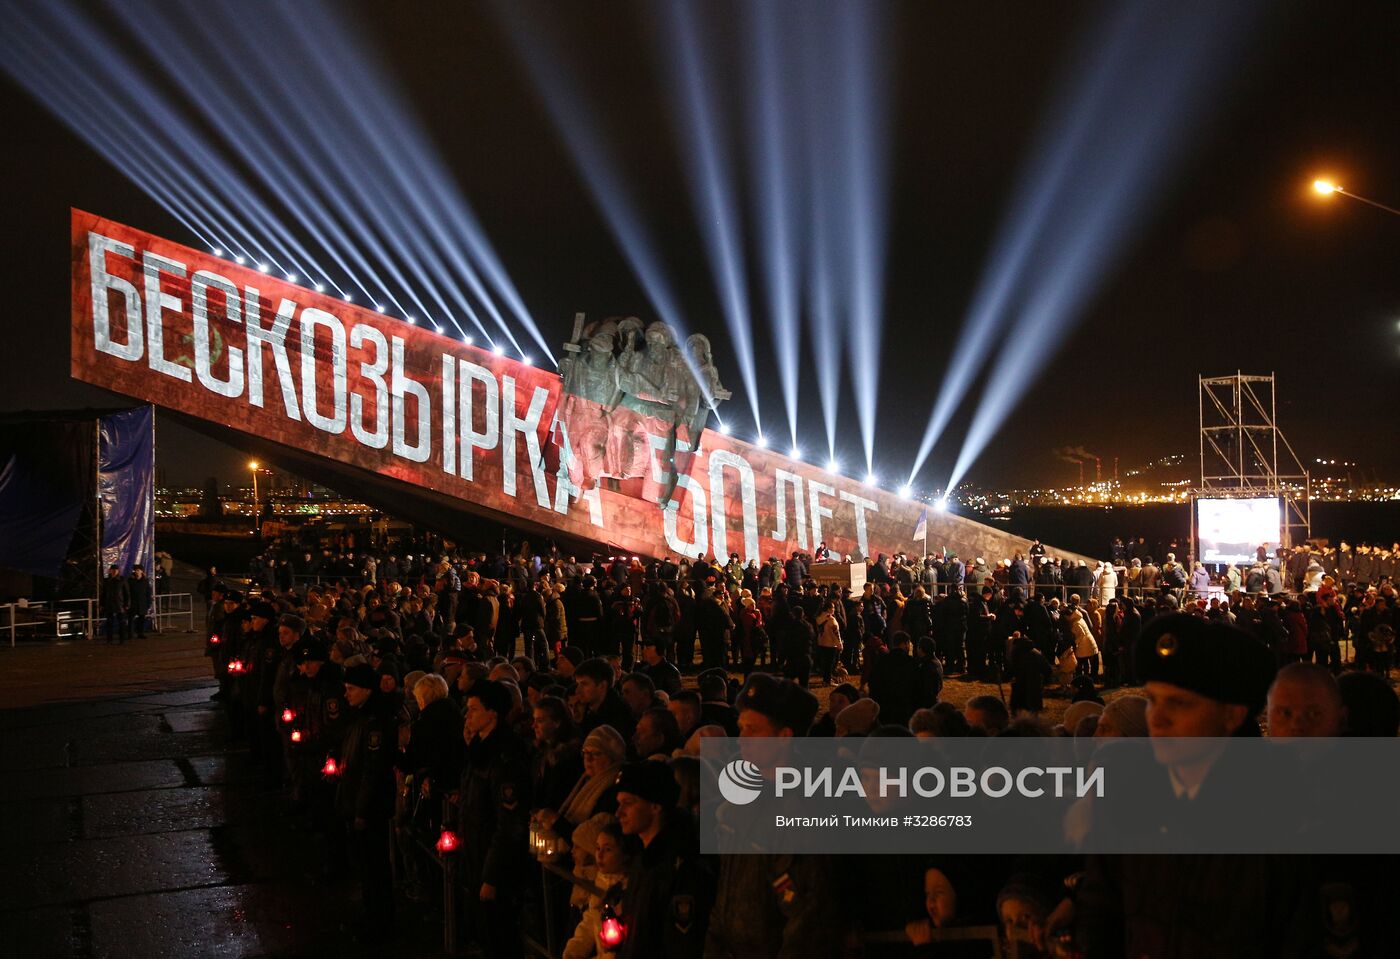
(257, 513)
(1327, 188)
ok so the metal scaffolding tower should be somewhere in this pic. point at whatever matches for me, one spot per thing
(1245, 455)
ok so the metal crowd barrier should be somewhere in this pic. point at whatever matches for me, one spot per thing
(65, 619)
(171, 608)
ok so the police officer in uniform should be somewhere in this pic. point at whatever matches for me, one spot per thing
(1208, 682)
(290, 628)
(321, 715)
(214, 646)
(666, 907)
(365, 794)
(258, 652)
(770, 905)
(494, 818)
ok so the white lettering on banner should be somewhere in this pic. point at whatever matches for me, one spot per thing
(157, 302)
(669, 515)
(564, 488)
(405, 386)
(361, 337)
(814, 495)
(449, 413)
(273, 338)
(1094, 782)
(102, 281)
(311, 318)
(781, 481)
(861, 504)
(200, 285)
(490, 436)
(529, 428)
(719, 459)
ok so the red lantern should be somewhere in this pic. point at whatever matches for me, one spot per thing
(612, 932)
(288, 715)
(448, 841)
(296, 735)
(331, 768)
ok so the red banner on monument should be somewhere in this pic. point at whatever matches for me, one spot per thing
(170, 325)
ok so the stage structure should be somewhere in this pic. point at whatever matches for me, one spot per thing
(1246, 462)
(612, 455)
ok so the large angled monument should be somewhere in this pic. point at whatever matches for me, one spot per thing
(614, 452)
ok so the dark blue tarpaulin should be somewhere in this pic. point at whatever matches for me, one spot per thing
(125, 483)
(45, 475)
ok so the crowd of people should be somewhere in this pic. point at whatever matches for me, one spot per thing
(525, 702)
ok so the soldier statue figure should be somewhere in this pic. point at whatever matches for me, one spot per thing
(619, 374)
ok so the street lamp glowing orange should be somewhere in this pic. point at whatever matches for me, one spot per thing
(1327, 188)
(253, 464)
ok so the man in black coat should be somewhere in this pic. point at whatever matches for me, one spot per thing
(602, 706)
(661, 671)
(895, 682)
(670, 889)
(494, 818)
(713, 625)
(365, 796)
(951, 613)
(139, 588)
(114, 602)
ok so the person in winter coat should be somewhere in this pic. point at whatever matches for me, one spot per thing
(1200, 579)
(895, 682)
(493, 818)
(751, 634)
(797, 641)
(140, 589)
(829, 641)
(1029, 671)
(1295, 623)
(602, 861)
(1086, 649)
(1018, 579)
(114, 600)
(1106, 583)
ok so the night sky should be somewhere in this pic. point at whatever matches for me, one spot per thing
(1238, 264)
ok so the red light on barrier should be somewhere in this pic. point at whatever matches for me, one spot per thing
(214, 640)
(612, 932)
(331, 768)
(296, 735)
(288, 715)
(237, 666)
(448, 841)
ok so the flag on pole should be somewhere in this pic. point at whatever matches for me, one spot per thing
(921, 528)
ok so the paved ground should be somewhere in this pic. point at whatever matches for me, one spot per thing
(130, 827)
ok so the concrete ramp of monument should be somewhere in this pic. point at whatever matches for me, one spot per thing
(610, 453)
(481, 524)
